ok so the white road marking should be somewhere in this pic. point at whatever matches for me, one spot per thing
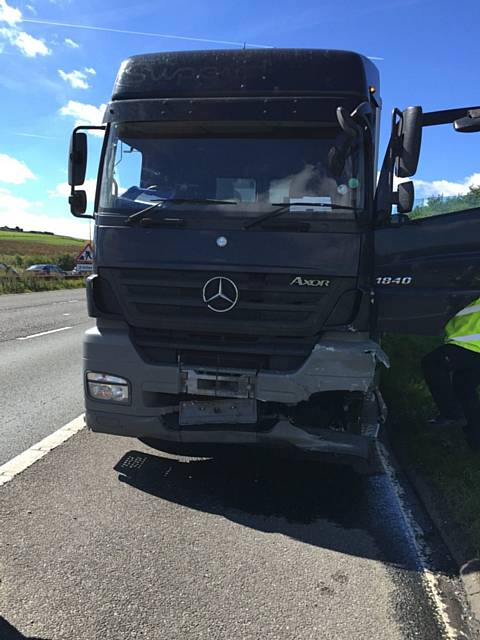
(66, 314)
(417, 539)
(43, 333)
(25, 459)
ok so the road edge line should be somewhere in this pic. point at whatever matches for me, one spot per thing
(23, 460)
(465, 556)
(417, 539)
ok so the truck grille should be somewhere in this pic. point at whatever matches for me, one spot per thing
(267, 303)
(223, 351)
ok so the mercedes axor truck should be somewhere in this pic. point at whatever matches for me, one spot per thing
(246, 256)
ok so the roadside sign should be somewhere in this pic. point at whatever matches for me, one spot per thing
(86, 255)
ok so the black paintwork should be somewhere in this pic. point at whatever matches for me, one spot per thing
(442, 256)
(329, 254)
(156, 289)
(153, 277)
(220, 109)
(249, 72)
(434, 118)
(256, 84)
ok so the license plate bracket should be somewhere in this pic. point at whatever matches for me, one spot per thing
(232, 410)
(219, 384)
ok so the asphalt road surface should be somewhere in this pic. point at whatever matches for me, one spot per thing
(104, 538)
(40, 365)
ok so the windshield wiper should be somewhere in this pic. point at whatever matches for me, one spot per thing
(138, 215)
(285, 207)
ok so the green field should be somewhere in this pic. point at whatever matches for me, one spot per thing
(16, 242)
(20, 250)
(49, 239)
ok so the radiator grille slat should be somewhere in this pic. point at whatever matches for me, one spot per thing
(267, 302)
(225, 351)
(274, 325)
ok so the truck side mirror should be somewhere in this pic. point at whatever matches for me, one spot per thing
(77, 169)
(469, 124)
(410, 139)
(404, 197)
(78, 202)
(77, 159)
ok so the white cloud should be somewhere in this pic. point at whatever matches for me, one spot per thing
(31, 46)
(71, 43)
(62, 190)
(32, 9)
(9, 202)
(84, 113)
(8, 14)
(28, 45)
(76, 78)
(425, 189)
(15, 211)
(14, 171)
(396, 180)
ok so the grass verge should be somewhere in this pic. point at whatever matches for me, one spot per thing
(440, 457)
(39, 284)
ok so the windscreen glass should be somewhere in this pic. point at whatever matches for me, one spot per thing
(255, 169)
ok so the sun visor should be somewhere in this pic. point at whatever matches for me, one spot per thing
(321, 110)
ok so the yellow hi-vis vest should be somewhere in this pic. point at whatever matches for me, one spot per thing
(464, 328)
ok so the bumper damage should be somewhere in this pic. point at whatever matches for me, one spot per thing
(347, 364)
(339, 362)
(353, 449)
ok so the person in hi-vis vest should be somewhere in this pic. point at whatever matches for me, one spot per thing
(452, 373)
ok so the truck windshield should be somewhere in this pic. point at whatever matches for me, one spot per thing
(253, 168)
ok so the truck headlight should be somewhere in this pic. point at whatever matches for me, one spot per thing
(102, 386)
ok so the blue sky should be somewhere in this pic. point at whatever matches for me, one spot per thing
(59, 59)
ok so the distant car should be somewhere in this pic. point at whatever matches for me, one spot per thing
(7, 272)
(45, 270)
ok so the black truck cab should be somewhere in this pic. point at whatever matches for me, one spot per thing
(235, 290)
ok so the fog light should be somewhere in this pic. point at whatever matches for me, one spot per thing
(102, 386)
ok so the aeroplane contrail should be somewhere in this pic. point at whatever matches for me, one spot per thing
(169, 36)
(145, 33)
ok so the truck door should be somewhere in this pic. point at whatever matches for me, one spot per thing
(427, 266)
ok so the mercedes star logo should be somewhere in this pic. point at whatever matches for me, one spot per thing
(220, 294)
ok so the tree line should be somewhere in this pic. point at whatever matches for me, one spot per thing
(438, 204)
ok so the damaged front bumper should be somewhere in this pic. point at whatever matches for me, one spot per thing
(339, 362)
(355, 450)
